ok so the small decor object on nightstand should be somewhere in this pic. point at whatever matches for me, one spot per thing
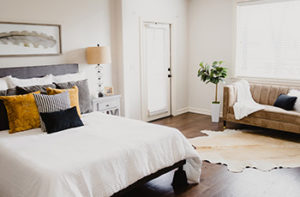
(108, 104)
(108, 91)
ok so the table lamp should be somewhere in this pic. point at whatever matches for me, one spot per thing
(99, 55)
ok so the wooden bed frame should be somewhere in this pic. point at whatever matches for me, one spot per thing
(179, 179)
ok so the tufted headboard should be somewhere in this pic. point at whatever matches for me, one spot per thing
(39, 71)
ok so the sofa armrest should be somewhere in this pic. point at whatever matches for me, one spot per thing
(229, 98)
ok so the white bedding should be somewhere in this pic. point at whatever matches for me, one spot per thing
(106, 155)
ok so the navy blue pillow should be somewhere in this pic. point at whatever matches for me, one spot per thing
(61, 120)
(3, 117)
(285, 102)
(3, 114)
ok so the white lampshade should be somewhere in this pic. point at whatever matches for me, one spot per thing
(98, 55)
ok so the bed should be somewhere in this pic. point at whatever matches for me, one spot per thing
(108, 156)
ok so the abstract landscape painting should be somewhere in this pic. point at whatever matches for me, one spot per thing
(21, 39)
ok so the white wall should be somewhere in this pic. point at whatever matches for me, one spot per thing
(160, 11)
(211, 37)
(84, 24)
(203, 32)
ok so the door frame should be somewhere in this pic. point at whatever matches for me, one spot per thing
(143, 67)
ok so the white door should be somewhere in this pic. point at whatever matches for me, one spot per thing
(156, 71)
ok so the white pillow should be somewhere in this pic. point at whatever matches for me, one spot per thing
(12, 82)
(3, 84)
(77, 77)
(69, 77)
(297, 94)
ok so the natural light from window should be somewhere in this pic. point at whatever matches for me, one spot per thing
(268, 40)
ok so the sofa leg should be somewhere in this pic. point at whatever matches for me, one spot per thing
(224, 124)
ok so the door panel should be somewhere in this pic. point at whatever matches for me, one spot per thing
(156, 64)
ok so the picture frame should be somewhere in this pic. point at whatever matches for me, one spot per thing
(29, 39)
(108, 91)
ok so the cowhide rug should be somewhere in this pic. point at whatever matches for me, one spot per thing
(255, 149)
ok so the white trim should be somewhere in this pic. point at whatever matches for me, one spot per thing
(256, 2)
(142, 71)
(234, 39)
(181, 111)
(195, 110)
(199, 110)
(173, 67)
(272, 81)
(203, 111)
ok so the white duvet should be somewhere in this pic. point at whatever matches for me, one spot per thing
(106, 155)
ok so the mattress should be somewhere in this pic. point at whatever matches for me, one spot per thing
(101, 158)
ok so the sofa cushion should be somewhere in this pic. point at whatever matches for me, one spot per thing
(267, 94)
(285, 102)
(275, 113)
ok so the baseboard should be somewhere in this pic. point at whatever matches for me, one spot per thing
(193, 110)
(181, 111)
(199, 110)
(202, 111)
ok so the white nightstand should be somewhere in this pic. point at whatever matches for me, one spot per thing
(108, 104)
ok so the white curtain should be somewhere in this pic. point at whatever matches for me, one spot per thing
(268, 40)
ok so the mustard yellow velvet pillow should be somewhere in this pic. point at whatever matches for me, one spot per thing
(22, 112)
(73, 92)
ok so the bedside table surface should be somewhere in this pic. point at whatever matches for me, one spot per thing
(107, 97)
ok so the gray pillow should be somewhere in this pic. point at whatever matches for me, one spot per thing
(83, 93)
(11, 92)
(8, 92)
(51, 103)
(3, 92)
(30, 89)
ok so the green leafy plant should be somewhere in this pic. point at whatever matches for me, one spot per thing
(214, 73)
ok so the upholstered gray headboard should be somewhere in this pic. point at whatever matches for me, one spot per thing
(39, 71)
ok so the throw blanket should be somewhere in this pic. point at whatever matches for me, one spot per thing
(245, 104)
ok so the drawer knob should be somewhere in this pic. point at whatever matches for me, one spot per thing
(107, 105)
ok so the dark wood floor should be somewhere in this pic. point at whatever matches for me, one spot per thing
(216, 180)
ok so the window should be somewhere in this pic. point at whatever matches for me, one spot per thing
(268, 39)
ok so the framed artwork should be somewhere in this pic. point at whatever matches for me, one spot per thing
(108, 91)
(29, 39)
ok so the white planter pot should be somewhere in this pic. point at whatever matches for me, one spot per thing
(215, 112)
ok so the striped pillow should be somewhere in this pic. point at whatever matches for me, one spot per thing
(51, 103)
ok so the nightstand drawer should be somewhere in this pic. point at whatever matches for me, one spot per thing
(109, 104)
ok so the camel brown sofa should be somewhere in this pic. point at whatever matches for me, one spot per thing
(271, 117)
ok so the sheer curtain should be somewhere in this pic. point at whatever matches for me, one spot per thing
(268, 40)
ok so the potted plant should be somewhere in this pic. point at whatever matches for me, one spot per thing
(214, 73)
